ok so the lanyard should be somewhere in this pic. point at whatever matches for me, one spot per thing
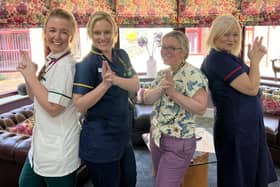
(54, 61)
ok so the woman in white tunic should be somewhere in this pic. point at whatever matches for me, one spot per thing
(53, 156)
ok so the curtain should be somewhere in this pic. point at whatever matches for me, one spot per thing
(82, 9)
(146, 12)
(260, 12)
(32, 13)
(139, 13)
(21, 14)
(202, 12)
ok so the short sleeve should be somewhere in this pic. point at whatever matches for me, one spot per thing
(196, 81)
(226, 66)
(85, 77)
(60, 83)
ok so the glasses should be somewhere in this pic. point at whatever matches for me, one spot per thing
(170, 48)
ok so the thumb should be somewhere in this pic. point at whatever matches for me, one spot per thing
(104, 67)
(108, 66)
(168, 75)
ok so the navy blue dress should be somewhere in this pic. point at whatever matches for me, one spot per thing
(106, 130)
(239, 135)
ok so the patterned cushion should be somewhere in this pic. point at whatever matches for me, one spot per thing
(24, 127)
(270, 100)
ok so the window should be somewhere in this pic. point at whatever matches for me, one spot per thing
(194, 36)
(11, 41)
(249, 39)
(271, 40)
(139, 55)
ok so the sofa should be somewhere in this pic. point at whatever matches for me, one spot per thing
(271, 106)
(272, 124)
(14, 146)
(140, 122)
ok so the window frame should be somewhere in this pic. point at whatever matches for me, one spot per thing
(198, 31)
(10, 45)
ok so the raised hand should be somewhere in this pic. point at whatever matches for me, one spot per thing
(107, 74)
(167, 83)
(25, 66)
(257, 51)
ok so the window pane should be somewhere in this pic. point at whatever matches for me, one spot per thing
(271, 40)
(140, 55)
(11, 41)
(197, 39)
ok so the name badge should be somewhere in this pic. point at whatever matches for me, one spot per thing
(99, 70)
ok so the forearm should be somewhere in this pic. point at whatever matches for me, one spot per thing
(152, 95)
(84, 102)
(129, 84)
(28, 90)
(196, 104)
(254, 76)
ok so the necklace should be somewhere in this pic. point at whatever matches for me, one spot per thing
(179, 67)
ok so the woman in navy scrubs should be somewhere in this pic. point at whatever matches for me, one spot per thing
(239, 135)
(102, 83)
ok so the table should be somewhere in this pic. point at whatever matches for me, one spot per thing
(197, 173)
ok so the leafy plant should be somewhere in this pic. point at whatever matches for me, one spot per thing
(143, 42)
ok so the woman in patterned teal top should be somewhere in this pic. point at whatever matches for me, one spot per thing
(177, 93)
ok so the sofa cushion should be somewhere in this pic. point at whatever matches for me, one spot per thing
(270, 100)
(24, 111)
(6, 122)
(13, 146)
(16, 118)
(24, 127)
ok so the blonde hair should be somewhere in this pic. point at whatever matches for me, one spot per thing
(100, 15)
(182, 39)
(61, 13)
(221, 25)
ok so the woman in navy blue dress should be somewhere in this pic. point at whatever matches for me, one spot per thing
(239, 135)
(102, 83)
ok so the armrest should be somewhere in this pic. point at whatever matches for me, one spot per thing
(14, 147)
(271, 125)
(143, 110)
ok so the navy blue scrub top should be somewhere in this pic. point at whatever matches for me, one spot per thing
(221, 68)
(106, 128)
(239, 134)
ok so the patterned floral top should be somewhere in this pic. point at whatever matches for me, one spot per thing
(169, 117)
